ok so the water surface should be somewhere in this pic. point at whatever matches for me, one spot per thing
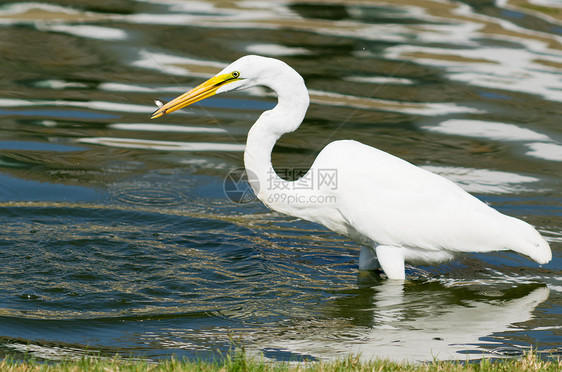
(117, 235)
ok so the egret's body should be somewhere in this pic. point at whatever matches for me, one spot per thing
(397, 211)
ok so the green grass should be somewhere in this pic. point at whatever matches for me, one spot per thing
(242, 363)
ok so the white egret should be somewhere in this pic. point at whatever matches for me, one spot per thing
(397, 211)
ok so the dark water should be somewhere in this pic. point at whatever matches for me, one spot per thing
(117, 235)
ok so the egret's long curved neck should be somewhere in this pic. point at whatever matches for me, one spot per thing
(285, 117)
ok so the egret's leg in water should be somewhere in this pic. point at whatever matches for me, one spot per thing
(391, 260)
(368, 259)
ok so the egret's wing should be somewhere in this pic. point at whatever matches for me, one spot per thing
(394, 202)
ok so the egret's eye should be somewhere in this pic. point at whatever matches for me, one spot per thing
(235, 74)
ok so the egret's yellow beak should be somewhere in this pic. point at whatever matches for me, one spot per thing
(198, 93)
